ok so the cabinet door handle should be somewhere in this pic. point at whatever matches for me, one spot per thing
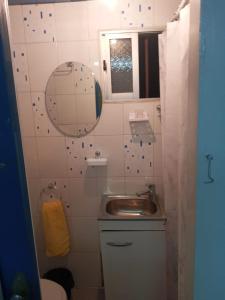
(119, 244)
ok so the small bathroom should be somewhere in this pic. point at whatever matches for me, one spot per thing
(102, 90)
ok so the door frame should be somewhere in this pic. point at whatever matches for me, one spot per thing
(17, 251)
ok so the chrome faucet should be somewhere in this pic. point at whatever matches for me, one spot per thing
(150, 191)
(151, 196)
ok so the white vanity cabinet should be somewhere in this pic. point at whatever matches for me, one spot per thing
(134, 260)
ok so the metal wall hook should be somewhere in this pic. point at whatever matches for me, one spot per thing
(51, 191)
(209, 158)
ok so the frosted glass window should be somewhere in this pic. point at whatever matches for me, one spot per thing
(121, 65)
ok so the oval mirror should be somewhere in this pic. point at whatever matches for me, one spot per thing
(73, 99)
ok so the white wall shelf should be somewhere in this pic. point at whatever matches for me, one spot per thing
(138, 116)
(97, 162)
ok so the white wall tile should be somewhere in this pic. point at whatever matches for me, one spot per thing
(16, 23)
(26, 114)
(20, 67)
(158, 181)
(111, 120)
(83, 195)
(110, 147)
(52, 157)
(139, 160)
(39, 23)
(108, 185)
(38, 232)
(145, 128)
(102, 15)
(137, 13)
(157, 118)
(78, 150)
(57, 262)
(84, 234)
(164, 11)
(158, 156)
(34, 196)
(43, 263)
(134, 185)
(77, 294)
(47, 263)
(89, 294)
(31, 157)
(94, 57)
(86, 268)
(43, 125)
(77, 51)
(71, 21)
(42, 61)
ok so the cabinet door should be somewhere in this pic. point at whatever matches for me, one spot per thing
(134, 265)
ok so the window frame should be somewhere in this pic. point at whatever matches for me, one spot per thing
(105, 36)
(135, 63)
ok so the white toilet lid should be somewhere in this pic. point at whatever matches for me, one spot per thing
(51, 290)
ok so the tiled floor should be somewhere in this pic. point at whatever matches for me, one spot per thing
(88, 294)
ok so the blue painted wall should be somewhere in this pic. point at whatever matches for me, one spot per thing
(210, 230)
(17, 253)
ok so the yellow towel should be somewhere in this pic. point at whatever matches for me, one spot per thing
(55, 228)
